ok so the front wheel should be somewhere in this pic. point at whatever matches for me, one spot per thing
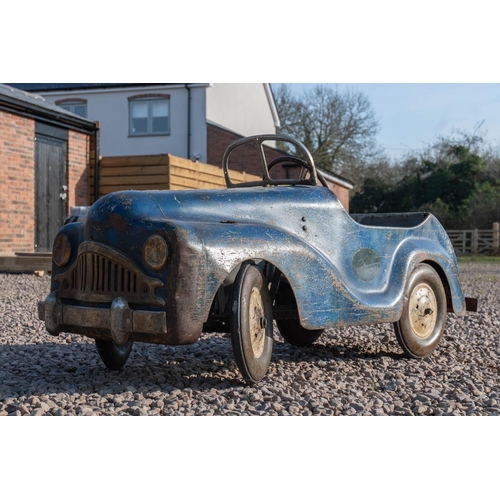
(113, 356)
(424, 313)
(251, 323)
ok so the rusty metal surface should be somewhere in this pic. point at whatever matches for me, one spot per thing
(119, 320)
(158, 266)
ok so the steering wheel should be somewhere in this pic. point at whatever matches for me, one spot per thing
(292, 159)
(302, 163)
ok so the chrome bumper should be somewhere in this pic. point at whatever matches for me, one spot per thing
(119, 319)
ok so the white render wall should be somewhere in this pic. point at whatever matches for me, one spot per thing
(242, 108)
(110, 108)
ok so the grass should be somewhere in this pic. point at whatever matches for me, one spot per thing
(481, 259)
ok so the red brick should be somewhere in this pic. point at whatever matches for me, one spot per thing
(17, 180)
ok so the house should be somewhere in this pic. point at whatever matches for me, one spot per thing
(44, 162)
(197, 121)
(189, 120)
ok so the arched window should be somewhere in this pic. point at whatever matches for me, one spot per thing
(76, 106)
(149, 114)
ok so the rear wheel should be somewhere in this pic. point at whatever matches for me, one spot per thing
(291, 329)
(424, 313)
(113, 356)
(251, 323)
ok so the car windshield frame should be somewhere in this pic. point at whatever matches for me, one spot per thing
(267, 180)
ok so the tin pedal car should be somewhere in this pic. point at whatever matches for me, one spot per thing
(164, 266)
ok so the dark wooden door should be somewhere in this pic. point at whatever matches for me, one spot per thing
(51, 189)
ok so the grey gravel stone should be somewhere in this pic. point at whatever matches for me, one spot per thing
(348, 371)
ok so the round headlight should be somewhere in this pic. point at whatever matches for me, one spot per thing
(61, 252)
(155, 252)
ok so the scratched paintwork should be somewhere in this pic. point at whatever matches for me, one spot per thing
(343, 270)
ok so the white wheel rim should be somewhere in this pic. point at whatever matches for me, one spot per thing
(257, 323)
(423, 310)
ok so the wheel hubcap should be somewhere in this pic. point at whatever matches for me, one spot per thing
(258, 323)
(423, 307)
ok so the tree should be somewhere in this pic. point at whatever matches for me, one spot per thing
(338, 128)
(452, 179)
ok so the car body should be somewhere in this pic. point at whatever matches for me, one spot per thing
(164, 266)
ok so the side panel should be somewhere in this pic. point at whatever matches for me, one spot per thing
(328, 292)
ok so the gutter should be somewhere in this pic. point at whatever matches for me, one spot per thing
(48, 115)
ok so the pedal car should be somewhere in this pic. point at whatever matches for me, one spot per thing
(164, 266)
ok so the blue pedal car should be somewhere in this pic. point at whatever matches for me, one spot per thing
(164, 266)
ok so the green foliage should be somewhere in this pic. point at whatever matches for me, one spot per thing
(456, 179)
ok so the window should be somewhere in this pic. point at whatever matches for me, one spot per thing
(77, 107)
(149, 115)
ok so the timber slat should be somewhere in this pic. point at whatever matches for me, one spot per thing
(127, 171)
(134, 180)
(158, 172)
(177, 172)
(133, 161)
(145, 187)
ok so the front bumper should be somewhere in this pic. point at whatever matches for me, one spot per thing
(119, 320)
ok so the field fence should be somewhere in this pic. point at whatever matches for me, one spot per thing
(475, 241)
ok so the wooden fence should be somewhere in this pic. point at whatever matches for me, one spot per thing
(162, 171)
(476, 240)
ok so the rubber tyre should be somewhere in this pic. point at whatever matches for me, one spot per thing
(251, 323)
(113, 356)
(424, 313)
(294, 333)
(291, 329)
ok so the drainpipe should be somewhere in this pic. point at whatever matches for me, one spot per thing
(188, 156)
(96, 165)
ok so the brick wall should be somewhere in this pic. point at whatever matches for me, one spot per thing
(341, 192)
(78, 171)
(248, 160)
(245, 159)
(17, 180)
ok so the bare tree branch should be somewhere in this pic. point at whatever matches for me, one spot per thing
(339, 128)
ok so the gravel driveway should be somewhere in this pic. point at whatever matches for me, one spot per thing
(348, 371)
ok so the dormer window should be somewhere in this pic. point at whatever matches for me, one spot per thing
(149, 115)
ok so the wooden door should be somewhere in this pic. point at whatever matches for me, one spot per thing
(51, 186)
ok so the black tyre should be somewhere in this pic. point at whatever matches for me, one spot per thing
(294, 333)
(291, 329)
(424, 313)
(114, 356)
(251, 323)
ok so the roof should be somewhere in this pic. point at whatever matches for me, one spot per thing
(338, 179)
(50, 87)
(68, 87)
(25, 103)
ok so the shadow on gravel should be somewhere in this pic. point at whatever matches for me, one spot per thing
(289, 353)
(52, 368)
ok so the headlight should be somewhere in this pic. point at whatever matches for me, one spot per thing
(155, 252)
(61, 252)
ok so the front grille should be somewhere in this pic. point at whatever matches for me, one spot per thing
(100, 274)
(95, 273)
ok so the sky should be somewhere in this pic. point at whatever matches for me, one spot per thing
(412, 115)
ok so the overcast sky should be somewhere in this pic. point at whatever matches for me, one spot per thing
(412, 115)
